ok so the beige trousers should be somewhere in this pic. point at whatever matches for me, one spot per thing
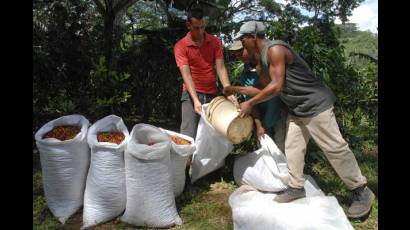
(325, 132)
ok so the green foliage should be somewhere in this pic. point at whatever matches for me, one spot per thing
(332, 9)
(249, 145)
(149, 15)
(235, 69)
(108, 90)
(360, 47)
(288, 25)
(70, 76)
(60, 103)
(65, 46)
(155, 77)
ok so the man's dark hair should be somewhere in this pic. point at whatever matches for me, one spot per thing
(197, 13)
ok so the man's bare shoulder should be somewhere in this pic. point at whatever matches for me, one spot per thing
(280, 52)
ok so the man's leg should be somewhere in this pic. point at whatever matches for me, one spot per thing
(297, 138)
(189, 119)
(189, 124)
(325, 131)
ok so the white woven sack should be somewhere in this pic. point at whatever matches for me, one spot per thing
(261, 168)
(211, 148)
(256, 210)
(105, 194)
(179, 157)
(64, 166)
(150, 196)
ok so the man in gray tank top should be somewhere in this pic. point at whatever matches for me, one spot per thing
(310, 103)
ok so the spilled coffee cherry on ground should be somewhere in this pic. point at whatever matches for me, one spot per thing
(113, 137)
(178, 140)
(64, 132)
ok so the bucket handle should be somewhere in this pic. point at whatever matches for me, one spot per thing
(219, 101)
(211, 105)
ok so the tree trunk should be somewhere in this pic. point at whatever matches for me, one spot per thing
(110, 11)
(108, 38)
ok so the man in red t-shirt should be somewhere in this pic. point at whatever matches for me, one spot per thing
(195, 55)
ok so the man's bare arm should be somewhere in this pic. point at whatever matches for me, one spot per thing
(222, 72)
(277, 67)
(247, 90)
(223, 77)
(186, 76)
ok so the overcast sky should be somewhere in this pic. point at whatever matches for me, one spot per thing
(365, 15)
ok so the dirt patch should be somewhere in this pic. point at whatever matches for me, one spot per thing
(74, 222)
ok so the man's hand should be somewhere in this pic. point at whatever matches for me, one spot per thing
(260, 131)
(246, 109)
(198, 107)
(232, 98)
(228, 90)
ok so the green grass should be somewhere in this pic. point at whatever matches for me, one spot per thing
(208, 209)
(204, 205)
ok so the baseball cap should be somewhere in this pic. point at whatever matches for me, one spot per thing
(251, 27)
(237, 45)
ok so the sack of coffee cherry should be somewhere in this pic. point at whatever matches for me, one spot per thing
(65, 158)
(105, 194)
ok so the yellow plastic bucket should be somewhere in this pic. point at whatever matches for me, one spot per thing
(224, 117)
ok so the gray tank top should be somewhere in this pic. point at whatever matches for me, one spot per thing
(304, 93)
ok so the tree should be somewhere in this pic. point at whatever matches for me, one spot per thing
(65, 45)
(331, 9)
(111, 10)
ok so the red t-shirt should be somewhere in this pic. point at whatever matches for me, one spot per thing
(200, 60)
